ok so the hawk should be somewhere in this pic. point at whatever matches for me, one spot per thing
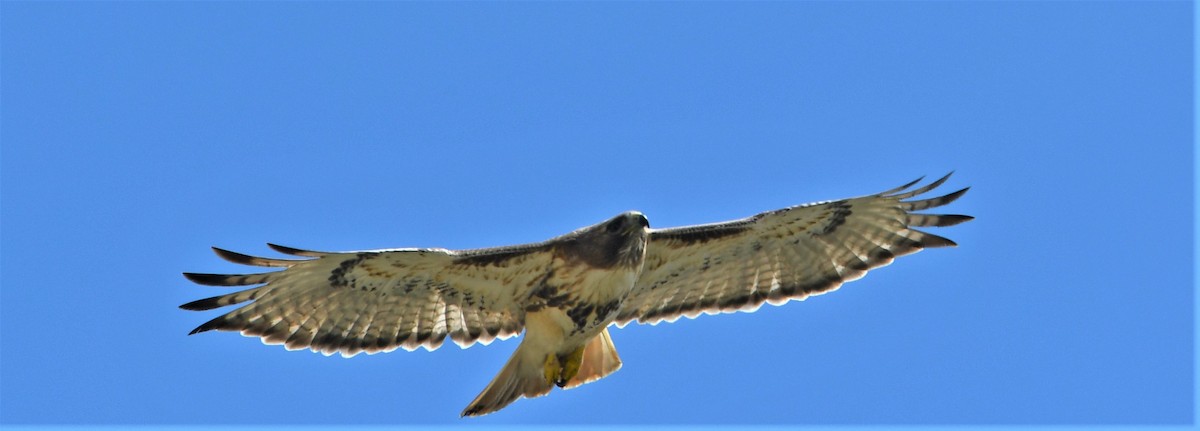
(566, 291)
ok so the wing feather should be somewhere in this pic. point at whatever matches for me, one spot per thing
(297, 251)
(246, 259)
(227, 279)
(936, 220)
(372, 301)
(907, 185)
(932, 202)
(782, 255)
(920, 190)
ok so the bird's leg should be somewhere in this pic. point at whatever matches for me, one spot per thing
(570, 366)
(553, 369)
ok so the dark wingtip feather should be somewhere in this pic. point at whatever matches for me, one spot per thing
(206, 279)
(952, 196)
(944, 177)
(929, 240)
(953, 219)
(233, 256)
(923, 189)
(204, 304)
(936, 220)
(296, 251)
(228, 279)
(902, 188)
(933, 202)
(246, 259)
(209, 325)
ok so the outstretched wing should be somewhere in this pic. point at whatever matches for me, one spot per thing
(780, 255)
(379, 300)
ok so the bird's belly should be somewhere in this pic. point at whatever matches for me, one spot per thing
(556, 324)
(593, 301)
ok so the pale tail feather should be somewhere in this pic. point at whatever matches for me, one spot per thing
(599, 359)
(522, 375)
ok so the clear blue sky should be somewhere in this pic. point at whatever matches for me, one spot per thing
(138, 134)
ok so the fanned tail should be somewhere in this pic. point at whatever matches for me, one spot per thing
(522, 376)
(599, 359)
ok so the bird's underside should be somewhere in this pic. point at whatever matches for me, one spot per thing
(566, 291)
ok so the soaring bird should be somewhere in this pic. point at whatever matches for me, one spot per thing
(565, 292)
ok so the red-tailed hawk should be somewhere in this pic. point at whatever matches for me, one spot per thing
(566, 291)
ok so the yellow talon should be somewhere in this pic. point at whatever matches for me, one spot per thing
(553, 369)
(571, 367)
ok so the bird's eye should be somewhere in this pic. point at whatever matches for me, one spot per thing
(615, 225)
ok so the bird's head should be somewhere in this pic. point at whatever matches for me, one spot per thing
(620, 240)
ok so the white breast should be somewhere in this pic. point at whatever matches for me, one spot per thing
(589, 286)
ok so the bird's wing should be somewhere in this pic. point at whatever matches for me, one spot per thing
(780, 255)
(378, 300)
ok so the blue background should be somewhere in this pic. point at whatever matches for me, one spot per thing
(137, 134)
